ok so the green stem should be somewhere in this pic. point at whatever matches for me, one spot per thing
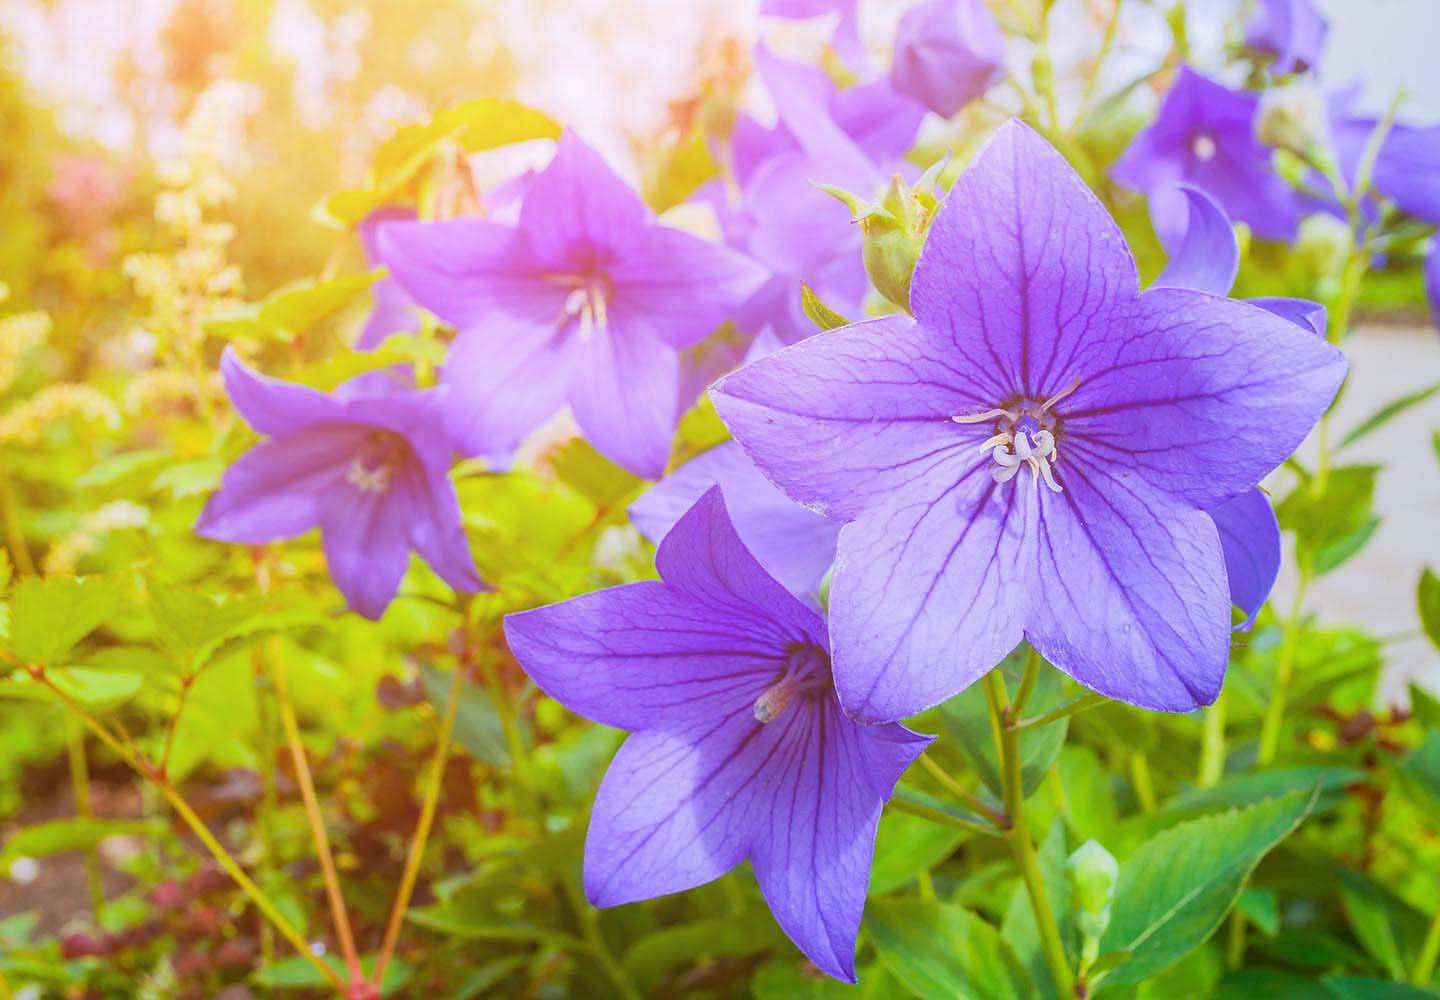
(339, 916)
(1140, 780)
(525, 791)
(1284, 670)
(596, 946)
(197, 826)
(908, 800)
(1212, 745)
(422, 827)
(80, 788)
(14, 533)
(969, 801)
(1027, 686)
(270, 797)
(1424, 970)
(1018, 836)
(1072, 706)
(1235, 942)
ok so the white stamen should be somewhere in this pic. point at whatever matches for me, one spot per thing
(1203, 146)
(1024, 436)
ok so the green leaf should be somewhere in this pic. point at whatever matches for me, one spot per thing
(1419, 774)
(57, 836)
(940, 951)
(1086, 794)
(193, 627)
(1357, 988)
(1424, 706)
(1248, 788)
(49, 616)
(188, 479)
(1019, 928)
(966, 718)
(682, 169)
(1309, 948)
(298, 972)
(1427, 597)
(96, 688)
(477, 724)
(591, 474)
(1389, 412)
(820, 314)
(292, 310)
(472, 126)
(1270, 984)
(1176, 888)
(657, 952)
(907, 845)
(780, 979)
(1262, 908)
(1370, 921)
(488, 974)
(1332, 525)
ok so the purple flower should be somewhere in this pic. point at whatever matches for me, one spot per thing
(394, 311)
(585, 300)
(1032, 455)
(846, 42)
(1207, 260)
(1293, 31)
(849, 137)
(947, 54)
(796, 546)
(367, 464)
(739, 748)
(1204, 136)
(1407, 167)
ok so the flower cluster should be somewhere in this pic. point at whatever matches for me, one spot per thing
(1033, 449)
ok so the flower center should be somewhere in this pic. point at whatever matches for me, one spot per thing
(1203, 146)
(804, 673)
(1025, 435)
(586, 303)
(373, 466)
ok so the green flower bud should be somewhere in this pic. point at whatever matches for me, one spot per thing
(894, 229)
(1092, 872)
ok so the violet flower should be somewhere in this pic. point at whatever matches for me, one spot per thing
(1406, 168)
(1207, 260)
(585, 301)
(394, 311)
(1292, 31)
(1204, 136)
(368, 465)
(739, 748)
(794, 545)
(1031, 456)
(947, 54)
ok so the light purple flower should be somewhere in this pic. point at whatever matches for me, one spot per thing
(585, 300)
(947, 54)
(846, 41)
(1204, 136)
(1293, 31)
(394, 311)
(1207, 260)
(1032, 455)
(368, 465)
(1407, 167)
(851, 138)
(738, 748)
(796, 546)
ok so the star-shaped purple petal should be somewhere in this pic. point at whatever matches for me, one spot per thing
(585, 301)
(1292, 31)
(1033, 454)
(738, 746)
(369, 468)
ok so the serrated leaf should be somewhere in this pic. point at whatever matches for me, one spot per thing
(939, 951)
(1248, 788)
(1177, 887)
(48, 617)
(819, 313)
(1427, 599)
(1389, 412)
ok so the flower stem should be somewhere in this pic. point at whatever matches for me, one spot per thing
(596, 946)
(422, 828)
(197, 826)
(80, 788)
(968, 800)
(1424, 970)
(338, 915)
(1008, 743)
(14, 533)
(1284, 670)
(1140, 780)
(1074, 706)
(1212, 745)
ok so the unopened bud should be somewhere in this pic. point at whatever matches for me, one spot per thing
(894, 232)
(1092, 872)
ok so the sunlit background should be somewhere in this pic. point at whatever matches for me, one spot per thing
(294, 96)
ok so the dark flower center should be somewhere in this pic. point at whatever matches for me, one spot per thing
(372, 468)
(804, 673)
